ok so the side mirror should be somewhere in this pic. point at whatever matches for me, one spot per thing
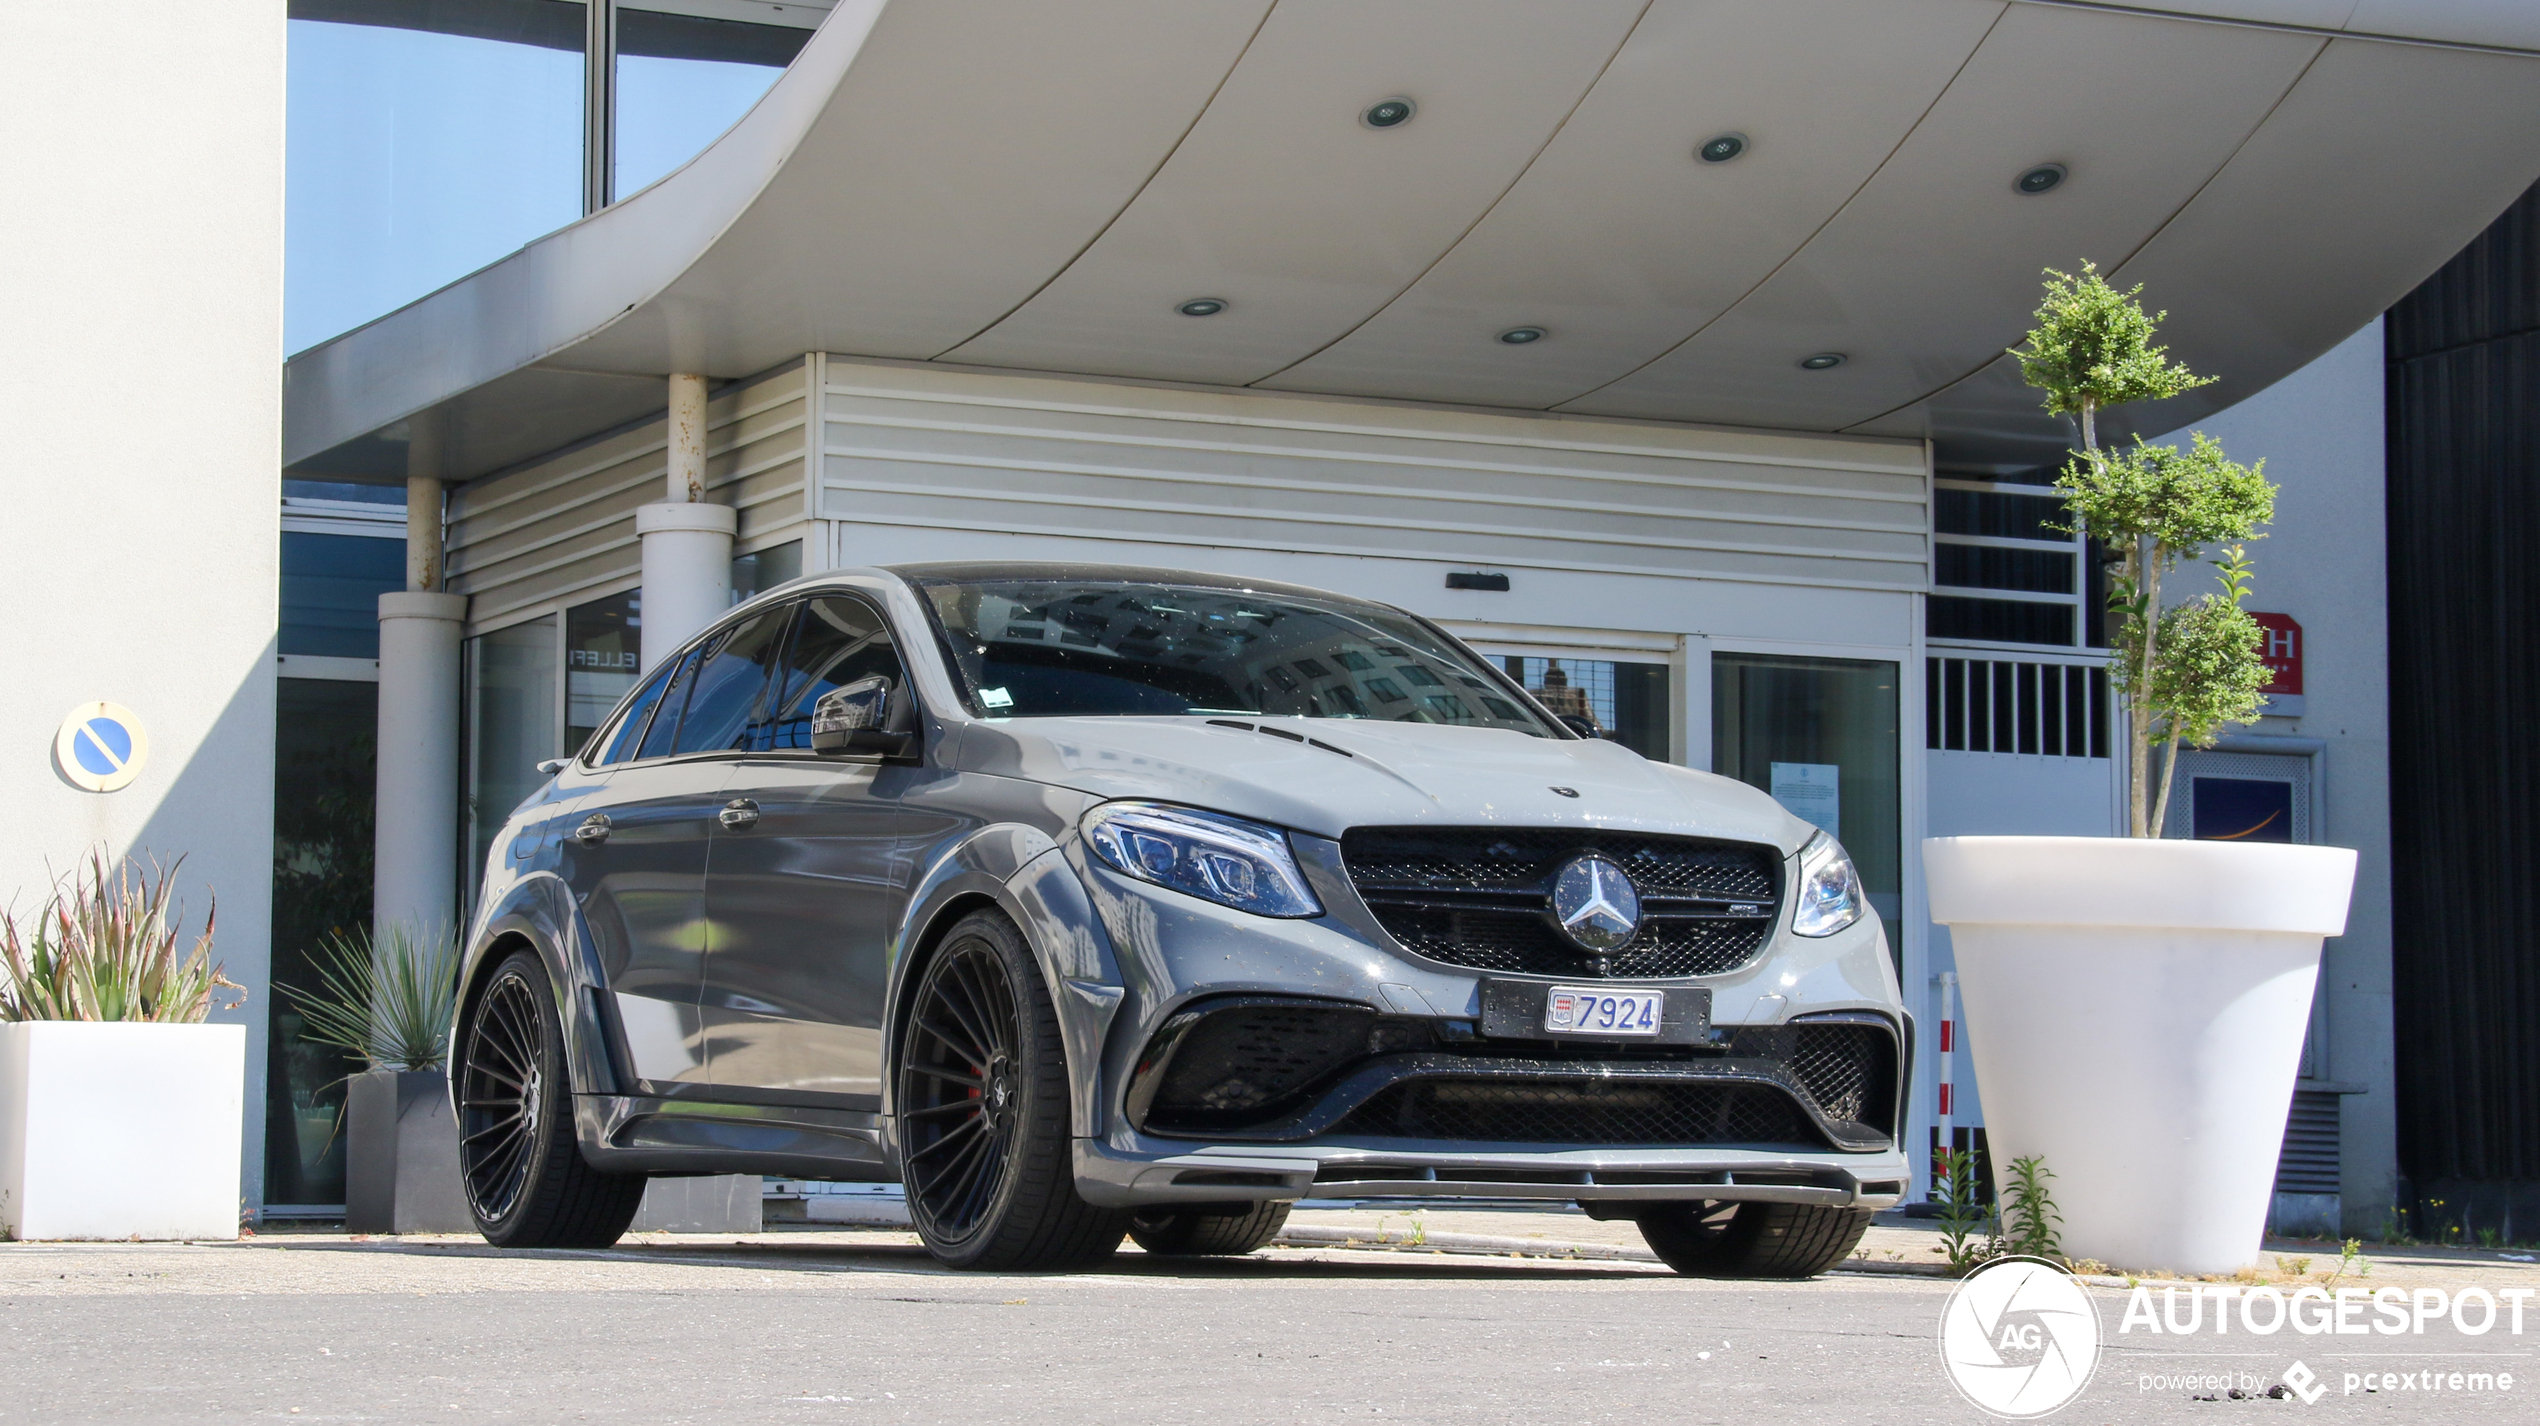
(552, 766)
(866, 716)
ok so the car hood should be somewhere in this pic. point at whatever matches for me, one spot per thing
(1325, 775)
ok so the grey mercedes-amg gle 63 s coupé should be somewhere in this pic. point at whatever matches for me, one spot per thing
(1088, 901)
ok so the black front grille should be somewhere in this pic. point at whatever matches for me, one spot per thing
(1481, 897)
(1243, 1061)
(1849, 1067)
(1643, 1114)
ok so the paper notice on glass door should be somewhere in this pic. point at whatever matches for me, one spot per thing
(1812, 792)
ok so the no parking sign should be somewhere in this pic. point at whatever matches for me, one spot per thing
(101, 747)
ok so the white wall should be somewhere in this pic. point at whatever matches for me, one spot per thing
(141, 302)
(2320, 433)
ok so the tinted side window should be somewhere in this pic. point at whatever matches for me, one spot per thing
(837, 640)
(729, 684)
(666, 719)
(629, 730)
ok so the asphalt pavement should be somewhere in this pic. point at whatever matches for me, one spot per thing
(860, 1326)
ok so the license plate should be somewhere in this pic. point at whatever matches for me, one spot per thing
(1575, 1010)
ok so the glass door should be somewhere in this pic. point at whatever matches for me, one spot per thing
(1820, 736)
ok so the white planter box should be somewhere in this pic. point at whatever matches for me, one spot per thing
(2135, 1011)
(120, 1130)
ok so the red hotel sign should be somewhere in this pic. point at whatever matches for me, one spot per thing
(2282, 652)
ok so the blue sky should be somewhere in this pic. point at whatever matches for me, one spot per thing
(417, 158)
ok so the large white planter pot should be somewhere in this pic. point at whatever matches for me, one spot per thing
(2135, 1011)
(120, 1130)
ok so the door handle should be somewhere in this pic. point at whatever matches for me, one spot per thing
(593, 831)
(738, 813)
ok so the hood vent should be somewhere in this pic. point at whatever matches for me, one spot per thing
(1280, 733)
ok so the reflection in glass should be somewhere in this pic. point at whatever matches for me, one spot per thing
(1820, 736)
(601, 641)
(425, 139)
(682, 79)
(325, 767)
(1033, 648)
(1627, 702)
(511, 677)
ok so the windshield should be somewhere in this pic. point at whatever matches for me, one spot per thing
(1043, 648)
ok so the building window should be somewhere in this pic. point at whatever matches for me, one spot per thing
(600, 646)
(324, 775)
(424, 140)
(1625, 702)
(330, 592)
(684, 78)
(1999, 621)
(511, 728)
(1820, 736)
(2002, 572)
(755, 574)
(428, 138)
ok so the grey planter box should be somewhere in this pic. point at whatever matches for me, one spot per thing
(401, 1168)
(401, 1165)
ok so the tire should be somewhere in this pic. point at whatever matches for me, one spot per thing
(986, 1150)
(526, 1180)
(1190, 1233)
(1784, 1240)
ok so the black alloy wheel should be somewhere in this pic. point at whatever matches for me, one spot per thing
(984, 1134)
(1751, 1240)
(527, 1182)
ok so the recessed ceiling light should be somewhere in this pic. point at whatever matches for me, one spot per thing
(1202, 307)
(1822, 361)
(1387, 113)
(1721, 149)
(2041, 178)
(1519, 336)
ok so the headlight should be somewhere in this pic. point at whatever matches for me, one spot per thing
(1222, 859)
(1830, 895)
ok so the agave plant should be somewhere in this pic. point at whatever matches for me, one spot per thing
(105, 947)
(388, 999)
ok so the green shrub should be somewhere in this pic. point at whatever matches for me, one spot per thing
(387, 999)
(104, 946)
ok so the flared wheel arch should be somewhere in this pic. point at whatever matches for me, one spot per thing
(911, 971)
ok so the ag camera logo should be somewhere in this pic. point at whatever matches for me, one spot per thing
(2019, 1338)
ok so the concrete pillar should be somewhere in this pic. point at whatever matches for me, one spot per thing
(687, 572)
(415, 849)
(416, 873)
(687, 439)
(687, 541)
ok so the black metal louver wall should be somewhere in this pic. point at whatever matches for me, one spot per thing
(2463, 396)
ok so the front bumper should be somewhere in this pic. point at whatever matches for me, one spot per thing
(1348, 1134)
(1157, 1172)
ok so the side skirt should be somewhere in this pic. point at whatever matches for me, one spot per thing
(643, 1134)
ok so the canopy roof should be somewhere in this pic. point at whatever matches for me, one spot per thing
(1040, 184)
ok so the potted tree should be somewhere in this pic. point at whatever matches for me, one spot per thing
(120, 1108)
(2135, 1006)
(389, 999)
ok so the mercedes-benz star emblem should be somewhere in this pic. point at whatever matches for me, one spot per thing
(1595, 904)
